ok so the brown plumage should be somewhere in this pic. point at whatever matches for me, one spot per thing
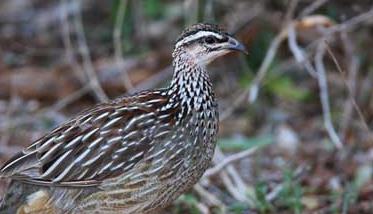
(135, 154)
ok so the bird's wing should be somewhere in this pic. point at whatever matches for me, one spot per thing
(102, 143)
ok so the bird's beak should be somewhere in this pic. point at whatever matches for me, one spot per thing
(234, 44)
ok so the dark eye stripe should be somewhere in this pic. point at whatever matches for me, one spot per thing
(216, 40)
(210, 40)
(202, 39)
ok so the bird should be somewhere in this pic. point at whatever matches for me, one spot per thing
(134, 154)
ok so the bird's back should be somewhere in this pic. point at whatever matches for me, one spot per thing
(121, 155)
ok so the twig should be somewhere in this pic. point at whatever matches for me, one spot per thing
(87, 62)
(65, 31)
(290, 11)
(324, 97)
(321, 76)
(254, 88)
(345, 26)
(117, 39)
(31, 118)
(228, 160)
(353, 67)
(203, 209)
(209, 198)
(69, 54)
(351, 85)
(237, 187)
(353, 22)
(264, 67)
(49, 16)
(231, 188)
(154, 80)
(312, 7)
(278, 189)
(240, 22)
(234, 105)
(54, 108)
(297, 51)
(238, 181)
(59, 105)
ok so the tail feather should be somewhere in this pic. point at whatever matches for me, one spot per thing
(23, 198)
(21, 162)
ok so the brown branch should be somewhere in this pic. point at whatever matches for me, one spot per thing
(351, 86)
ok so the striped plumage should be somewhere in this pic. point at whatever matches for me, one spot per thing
(135, 154)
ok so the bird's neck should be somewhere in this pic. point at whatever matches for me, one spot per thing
(191, 83)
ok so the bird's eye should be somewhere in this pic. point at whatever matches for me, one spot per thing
(209, 40)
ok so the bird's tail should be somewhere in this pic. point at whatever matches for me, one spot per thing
(23, 198)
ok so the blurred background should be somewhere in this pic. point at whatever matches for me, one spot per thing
(296, 113)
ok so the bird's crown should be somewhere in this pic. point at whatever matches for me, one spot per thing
(199, 31)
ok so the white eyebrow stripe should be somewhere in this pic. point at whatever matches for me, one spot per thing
(197, 36)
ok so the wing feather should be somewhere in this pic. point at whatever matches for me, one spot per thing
(83, 151)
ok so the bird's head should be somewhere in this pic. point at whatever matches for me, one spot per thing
(205, 42)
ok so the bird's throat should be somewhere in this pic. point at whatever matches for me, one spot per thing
(191, 83)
